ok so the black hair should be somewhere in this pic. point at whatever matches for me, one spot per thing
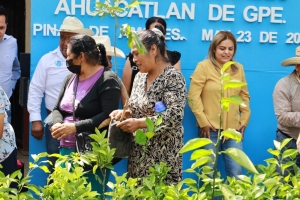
(151, 20)
(149, 38)
(159, 27)
(95, 54)
(3, 12)
(103, 59)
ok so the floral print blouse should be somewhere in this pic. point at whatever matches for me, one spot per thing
(8, 140)
(170, 88)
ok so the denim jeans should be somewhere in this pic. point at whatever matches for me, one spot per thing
(232, 168)
(51, 146)
(291, 145)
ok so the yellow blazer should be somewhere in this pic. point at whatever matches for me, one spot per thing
(204, 97)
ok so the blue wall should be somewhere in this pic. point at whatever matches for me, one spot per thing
(188, 21)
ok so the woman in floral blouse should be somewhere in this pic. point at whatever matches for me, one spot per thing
(8, 149)
(156, 81)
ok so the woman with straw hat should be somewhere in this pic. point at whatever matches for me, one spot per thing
(287, 108)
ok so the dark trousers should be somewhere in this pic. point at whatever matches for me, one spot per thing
(10, 165)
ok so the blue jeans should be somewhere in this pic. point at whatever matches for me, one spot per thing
(232, 168)
(51, 146)
(291, 145)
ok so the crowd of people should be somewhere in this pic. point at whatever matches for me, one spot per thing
(81, 92)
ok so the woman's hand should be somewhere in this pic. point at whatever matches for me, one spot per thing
(205, 131)
(60, 131)
(241, 129)
(130, 125)
(117, 114)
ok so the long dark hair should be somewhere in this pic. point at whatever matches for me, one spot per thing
(95, 53)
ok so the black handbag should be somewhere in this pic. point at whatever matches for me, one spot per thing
(119, 140)
(83, 142)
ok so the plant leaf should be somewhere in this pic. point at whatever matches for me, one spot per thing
(227, 193)
(233, 134)
(241, 158)
(149, 135)
(284, 142)
(233, 84)
(150, 124)
(235, 99)
(290, 153)
(194, 144)
(201, 161)
(227, 65)
(201, 153)
(274, 152)
(140, 137)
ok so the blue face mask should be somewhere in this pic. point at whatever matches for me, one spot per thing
(76, 69)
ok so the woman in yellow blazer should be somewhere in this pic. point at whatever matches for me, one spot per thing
(204, 96)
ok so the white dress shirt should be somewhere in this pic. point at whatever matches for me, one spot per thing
(47, 79)
(9, 64)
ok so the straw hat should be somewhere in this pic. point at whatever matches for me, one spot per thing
(74, 25)
(109, 49)
(294, 60)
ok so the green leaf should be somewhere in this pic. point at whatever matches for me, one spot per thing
(227, 65)
(245, 178)
(226, 77)
(44, 168)
(194, 144)
(33, 188)
(290, 153)
(259, 178)
(227, 193)
(201, 153)
(271, 182)
(201, 161)
(139, 45)
(95, 168)
(259, 192)
(159, 121)
(190, 171)
(241, 158)
(288, 164)
(149, 135)
(140, 137)
(272, 160)
(274, 152)
(34, 157)
(233, 134)
(150, 124)
(277, 144)
(235, 99)
(134, 3)
(233, 84)
(189, 181)
(284, 142)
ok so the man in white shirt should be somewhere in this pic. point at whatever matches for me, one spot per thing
(9, 64)
(47, 80)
